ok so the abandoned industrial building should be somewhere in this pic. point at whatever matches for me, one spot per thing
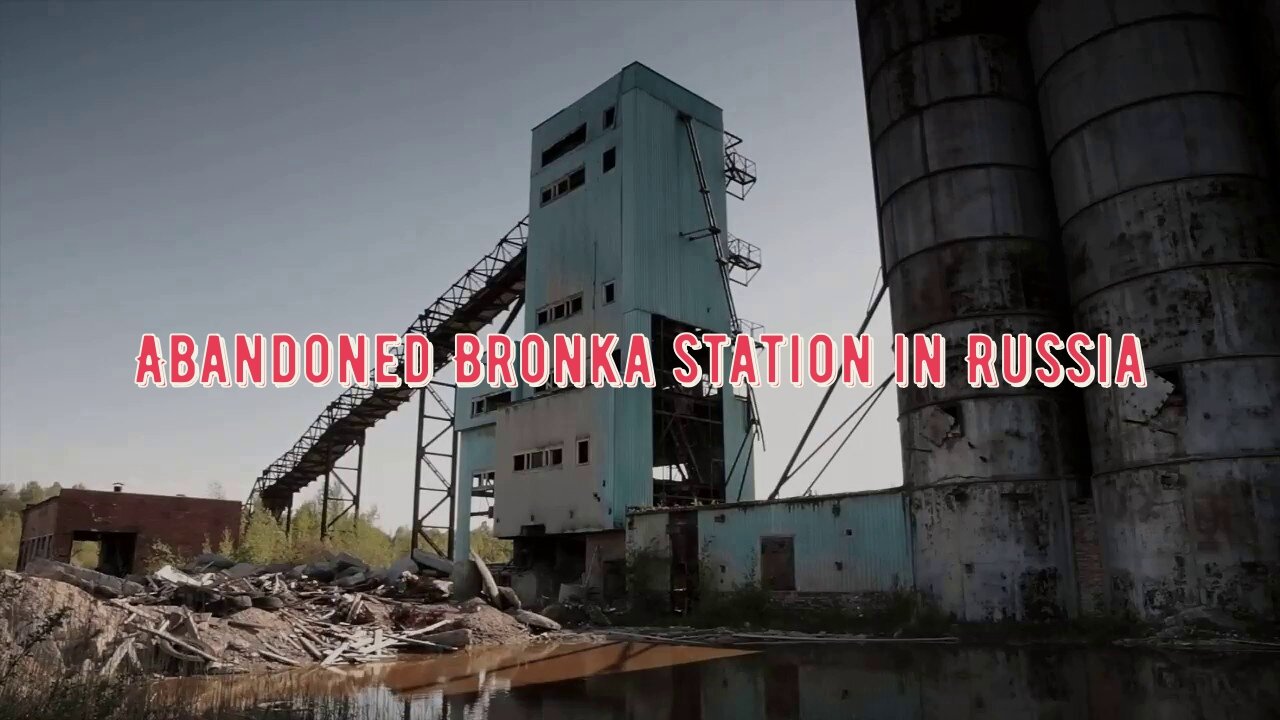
(126, 526)
(1033, 174)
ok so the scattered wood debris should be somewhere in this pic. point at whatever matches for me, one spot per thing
(217, 616)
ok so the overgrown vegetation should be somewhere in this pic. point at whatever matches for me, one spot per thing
(264, 539)
(12, 500)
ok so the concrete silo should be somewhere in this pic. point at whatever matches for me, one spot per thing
(968, 237)
(1160, 164)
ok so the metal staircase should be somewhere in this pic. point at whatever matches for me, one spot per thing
(731, 252)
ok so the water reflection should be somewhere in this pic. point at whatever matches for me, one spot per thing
(636, 680)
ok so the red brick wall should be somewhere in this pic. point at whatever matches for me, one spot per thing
(183, 524)
(1090, 575)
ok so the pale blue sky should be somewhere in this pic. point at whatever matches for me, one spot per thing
(331, 167)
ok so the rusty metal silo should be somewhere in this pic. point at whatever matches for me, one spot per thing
(1162, 182)
(968, 237)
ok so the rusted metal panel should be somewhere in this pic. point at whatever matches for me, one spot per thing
(1161, 171)
(969, 244)
(778, 562)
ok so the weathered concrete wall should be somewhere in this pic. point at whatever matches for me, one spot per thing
(1164, 192)
(969, 243)
(1091, 574)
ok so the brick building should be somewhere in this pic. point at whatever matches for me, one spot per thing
(125, 524)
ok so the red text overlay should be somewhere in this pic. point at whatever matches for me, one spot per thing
(608, 360)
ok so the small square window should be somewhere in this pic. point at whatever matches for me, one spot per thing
(546, 195)
(584, 451)
(576, 179)
(536, 460)
(542, 317)
(557, 456)
(558, 312)
(517, 463)
(609, 117)
(608, 293)
(609, 160)
(575, 305)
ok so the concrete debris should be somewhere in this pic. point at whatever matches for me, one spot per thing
(534, 620)
(427, 561)
(91, 581)
(246, 617)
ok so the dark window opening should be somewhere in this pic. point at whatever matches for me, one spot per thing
(564, 185)
(1177, 394)
(489, 403)
(610, 114)
(584, 451)
(564, 145)
(608, 293)
(517, 462)
(557, 456)
(609, 160)
(953, 410)
(536, 460)
(560, 310)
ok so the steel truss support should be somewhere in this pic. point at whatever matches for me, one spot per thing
(340, 498)
(437, 491)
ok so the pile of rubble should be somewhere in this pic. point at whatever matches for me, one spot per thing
(215, 615)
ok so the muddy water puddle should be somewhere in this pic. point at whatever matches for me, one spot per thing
(639, 680)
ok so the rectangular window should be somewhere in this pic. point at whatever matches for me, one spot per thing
(557, 457)
(609, 117)
(536, 460)
(560, 310)
(563, 185)
(489, 403)
(564, 145)
(609, 160)
(517, 462)
(584, 451)
(608, 293)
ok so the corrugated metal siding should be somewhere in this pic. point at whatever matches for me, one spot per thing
(670, 275)
(866, 534)
(633, 431)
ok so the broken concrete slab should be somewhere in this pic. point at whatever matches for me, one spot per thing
(243, 570)
(534, 620)
(88, 580)
(450, 638)
(347, 560)
(508, 598)
(436, 563)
